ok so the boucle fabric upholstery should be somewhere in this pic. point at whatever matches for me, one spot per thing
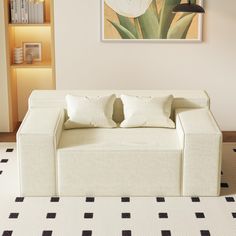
(117, 162)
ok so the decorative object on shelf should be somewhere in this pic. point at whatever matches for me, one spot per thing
(18, 55)
(27, 11)
(33, 49)
(148, 20)
(29, 56)
(191, 6)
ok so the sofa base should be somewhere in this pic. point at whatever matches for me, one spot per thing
(117, 173)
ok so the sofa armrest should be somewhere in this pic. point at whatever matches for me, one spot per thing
(37, 140)
(201, 141)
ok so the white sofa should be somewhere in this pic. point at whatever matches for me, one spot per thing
(185, 161)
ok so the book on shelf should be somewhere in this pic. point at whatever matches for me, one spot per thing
(40, 13)
(18, 11)
(26, 12)
(15, 10)
(31, 12)
(12, 13)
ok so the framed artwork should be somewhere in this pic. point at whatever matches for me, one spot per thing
(33, 48)
(149, 20)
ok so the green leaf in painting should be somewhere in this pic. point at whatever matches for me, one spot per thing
(149, 23)
(126, 22)
(137, 27)
(124, 33)
(166, 17)
(181, 27)
(154, 6)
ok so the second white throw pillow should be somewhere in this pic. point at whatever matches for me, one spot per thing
(147, 111)
(90, 112)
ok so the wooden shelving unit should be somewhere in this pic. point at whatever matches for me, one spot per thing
(23, 78)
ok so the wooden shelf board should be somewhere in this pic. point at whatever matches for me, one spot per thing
(30, 25)
(34, 65)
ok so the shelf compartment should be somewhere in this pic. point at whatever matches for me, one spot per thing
(47, 12)
(20, 35)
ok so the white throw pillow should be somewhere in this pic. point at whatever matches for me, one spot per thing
(89, 112)
(147, 111)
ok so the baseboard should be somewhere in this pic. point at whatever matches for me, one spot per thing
(229, 136)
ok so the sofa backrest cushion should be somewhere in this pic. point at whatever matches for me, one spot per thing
(182, 98)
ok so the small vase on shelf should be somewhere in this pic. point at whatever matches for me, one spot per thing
(18, 55)
(29, 56)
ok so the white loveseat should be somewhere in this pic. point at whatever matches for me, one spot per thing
(185, 161)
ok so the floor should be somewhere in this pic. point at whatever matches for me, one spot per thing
(80, 216)
(9, 137)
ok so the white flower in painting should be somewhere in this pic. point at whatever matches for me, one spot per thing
(129, 8)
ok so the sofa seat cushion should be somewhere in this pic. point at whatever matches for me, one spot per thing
(119, 139)
(119, 162)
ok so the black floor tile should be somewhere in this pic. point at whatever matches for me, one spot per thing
(13, 215)
(90, 199)
(229, 199)
(51, 215)
(125, 215)
(54, 199)
(47, 233)
(87, 233)
(88, 215)
(9, 149)
(195, 199)
(19, 199)
(199, 215)
(7, 233)
(160, 199)
(163, 215)
(126, 233)
(166, 233)
(205, 233)
(4, 160)
(125, 199)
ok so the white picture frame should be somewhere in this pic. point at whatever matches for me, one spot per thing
(199, 39)
(36, 50)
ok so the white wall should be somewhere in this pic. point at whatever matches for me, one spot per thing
(4, 108)
(84, 62)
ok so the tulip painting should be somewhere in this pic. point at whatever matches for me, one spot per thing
(149, 20)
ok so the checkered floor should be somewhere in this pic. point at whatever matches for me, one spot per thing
(152, 216)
